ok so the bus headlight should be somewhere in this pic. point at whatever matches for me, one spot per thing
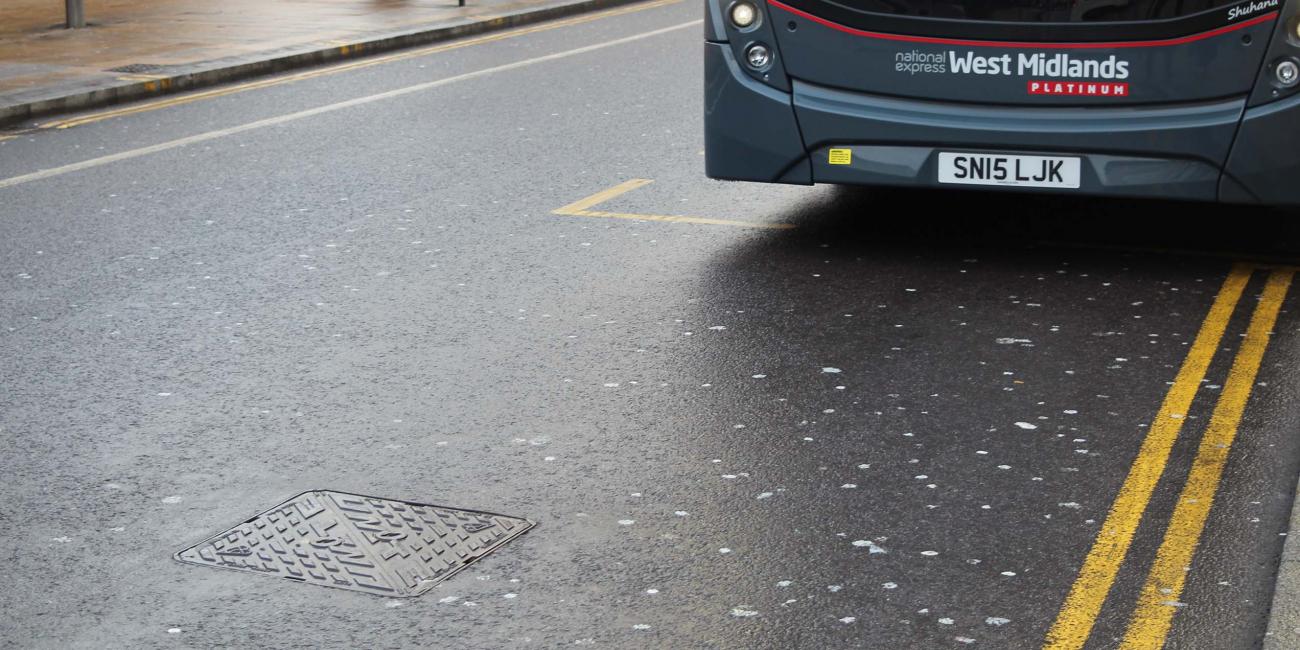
(743, 14)
(1287, 72)
(758, 56)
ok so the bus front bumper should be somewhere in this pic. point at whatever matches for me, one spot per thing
(1215, 151)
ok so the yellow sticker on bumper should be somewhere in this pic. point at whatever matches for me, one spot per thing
(841, 157)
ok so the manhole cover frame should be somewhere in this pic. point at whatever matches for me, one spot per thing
(524, 525)
(142, 68)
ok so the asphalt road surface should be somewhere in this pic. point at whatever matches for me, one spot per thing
(493, 276)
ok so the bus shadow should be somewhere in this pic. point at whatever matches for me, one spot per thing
(900, 221)
(914, 304)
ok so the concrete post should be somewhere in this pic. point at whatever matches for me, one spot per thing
(76, 13)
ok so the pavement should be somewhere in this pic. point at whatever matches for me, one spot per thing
(133, 49)
(740, 416)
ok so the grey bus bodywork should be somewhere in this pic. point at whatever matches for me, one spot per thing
(1189, 107)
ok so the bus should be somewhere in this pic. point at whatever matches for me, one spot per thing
(1173, 99)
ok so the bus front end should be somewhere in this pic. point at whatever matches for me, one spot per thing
(1178, 99)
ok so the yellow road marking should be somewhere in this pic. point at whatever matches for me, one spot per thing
(1149, 626)
(592, 201)
(582, 208)
(1079, 612)
(344, 67)
(678, 219)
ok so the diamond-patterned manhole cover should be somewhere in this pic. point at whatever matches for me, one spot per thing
(350, 541)
(140, 68)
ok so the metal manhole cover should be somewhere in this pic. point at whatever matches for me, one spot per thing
(140, 68)
(350, 541)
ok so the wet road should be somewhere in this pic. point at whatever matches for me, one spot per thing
(797, 417)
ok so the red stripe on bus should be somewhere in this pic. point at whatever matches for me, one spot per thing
(1015, 44)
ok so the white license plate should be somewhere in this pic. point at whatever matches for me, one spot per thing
(1003, 169)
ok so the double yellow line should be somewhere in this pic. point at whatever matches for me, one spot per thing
(1153, 615)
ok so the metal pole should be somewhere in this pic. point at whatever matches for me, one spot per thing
(76, 13)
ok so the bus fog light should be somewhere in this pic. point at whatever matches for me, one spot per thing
(743, 14)
(758, 56)
(1287, 72)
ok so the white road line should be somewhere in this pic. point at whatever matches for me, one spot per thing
(328, 108)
